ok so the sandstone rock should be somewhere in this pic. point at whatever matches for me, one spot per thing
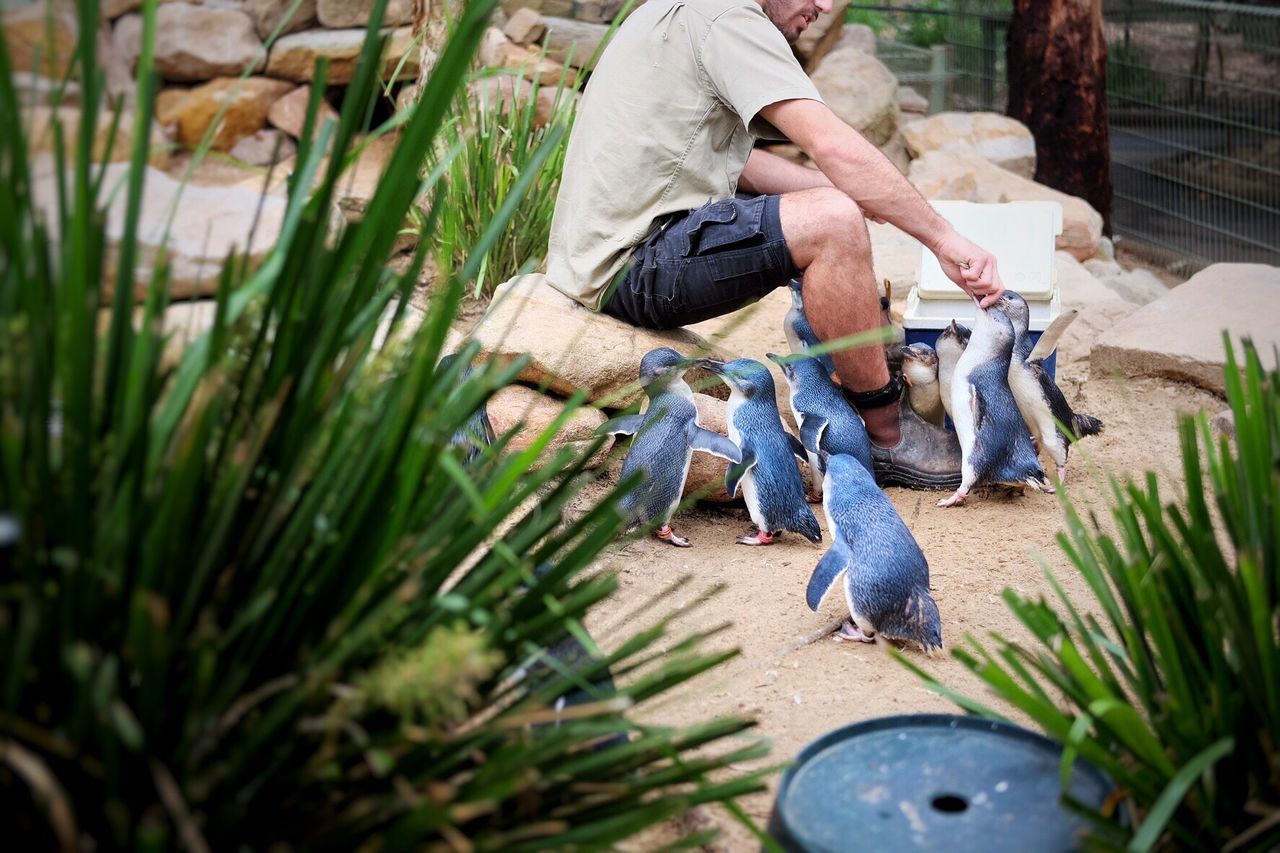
(194, 43)
(112, 9)
(1138, 286)
(895, 255)
(359, 182)
(293, 57)
(524, 409)
(947, 174)
(267, 15)
(31, 45)
(596, 11)
(707, 472)
(861, 90)
(563, 8)
(913, 103)
(1106, 249)
(265, 147)
(338, 14)
(182, 324)
(493, 48)
(896, 150)
(44, 92)
(1180, 335)
(510, 88)
(1103, 269)
(244, 105)
(821, 36)
(857, 36)
(572, 42)
(207, 224)
(289, 113)
(1225, 423)
(39, 122)
(1099, 308)
(531, 65)
(525, 26)
(1000, 139)
(573, 347)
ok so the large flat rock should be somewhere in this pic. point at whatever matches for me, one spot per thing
(1180, 335)
(529, 414)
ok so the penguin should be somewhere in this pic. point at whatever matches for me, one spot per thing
(1043, 406)
(477, 432)
(924, 393)
(995, 445)
(799, 333)
(666, 434)
(770, 480)
(886, 576)
(828, 424)
(950, 346)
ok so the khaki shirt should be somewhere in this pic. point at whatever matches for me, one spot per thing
(665, 124)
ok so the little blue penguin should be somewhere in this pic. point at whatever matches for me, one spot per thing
(920, 371)
(666, 434)
(770, 479)
(950, 346)
(886, 577)
(995, 445)
(477, 432)
(828, 424)
(799, 333)
(1043, 406)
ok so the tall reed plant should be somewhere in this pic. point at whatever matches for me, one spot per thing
(1168, 678)
(258, 600)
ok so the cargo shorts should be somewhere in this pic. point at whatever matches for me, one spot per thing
(703, 263)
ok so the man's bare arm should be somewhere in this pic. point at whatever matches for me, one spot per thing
(769, 174)
(862, 172)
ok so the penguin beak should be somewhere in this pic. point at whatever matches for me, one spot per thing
(710, 364)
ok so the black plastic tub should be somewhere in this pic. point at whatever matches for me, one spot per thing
(932, 782)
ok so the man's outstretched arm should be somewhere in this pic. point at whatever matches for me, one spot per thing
(856, 167)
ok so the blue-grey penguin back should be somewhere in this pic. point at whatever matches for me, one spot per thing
(660, 450)
(800, 335)
(813, 393)
(1002, 450)
(476, 433)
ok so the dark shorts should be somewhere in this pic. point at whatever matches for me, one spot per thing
(703, 263)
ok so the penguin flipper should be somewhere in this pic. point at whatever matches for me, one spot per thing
(1049, 337)
(830, 567)
(737, 471)
(623, 425)
(714, 443)
(797, 447)
(811, 430)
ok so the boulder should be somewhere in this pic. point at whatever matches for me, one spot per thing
(1138, 286)
(112, 9)
(821, 36)
(572, 347)
(265, 147)
(194, 43)
(492, 48)
(45, 92)
(531, 65)
(40, 40)
(267, 15)
(526, 26)
(1180, 335)
(1101, 268)
(563, 8)
(895, 256)
(356, 186)
(243, 104)
(508, 88)
(707, 472)
(861, 90)
(1099, 309)
(596, 11)
(204, 224)
(911, 102)
(289, 113)
(857, 36)
(338, 14)
(39, 122)
(293, 57)
(530, 413)
(1000, 139)
(949, 174)
(572, 42)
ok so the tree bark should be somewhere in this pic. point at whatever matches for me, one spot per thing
(1057, 62)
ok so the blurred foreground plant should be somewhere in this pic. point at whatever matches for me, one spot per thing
(1170, 679)
(257, 598)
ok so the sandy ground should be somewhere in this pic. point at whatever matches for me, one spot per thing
(974, 553)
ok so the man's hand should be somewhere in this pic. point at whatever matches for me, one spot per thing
(971, 267)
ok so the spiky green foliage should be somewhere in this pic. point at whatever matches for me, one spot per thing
(1169, 680)
(256, 598)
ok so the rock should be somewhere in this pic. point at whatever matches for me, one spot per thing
(507, 88)
(112, 9)
(204, 224)
(913, 103)
(1180, 335)
(596, 11)
(182, 324)
(861, 90)
(1000, 139)
(39, 122)
(338, 14)
(895, 256)
(194, 43)
(493, 48)
(563, 8)
(531, 65)
(293, 57)
(857, 36)
(1099, 309)
(243, 103)
(707, 472)
(948, 174)
(1225, 423)
(573, 347)
(267, 15)
(525, 26)
(289, 113)
(356, 186)
(1106, 249)
(572, 42)
(42, 91)
(1138, 286)
(1102, 269)
(1076, 285)
(31, 44)
(896, 150)
(265, 147)
(821, 36)
(524, 409)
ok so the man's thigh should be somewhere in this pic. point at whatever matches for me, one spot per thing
(710, 261)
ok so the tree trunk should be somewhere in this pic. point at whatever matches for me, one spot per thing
(430, 23)
(1057, 61)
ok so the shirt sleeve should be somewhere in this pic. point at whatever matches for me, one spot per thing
(749, 66)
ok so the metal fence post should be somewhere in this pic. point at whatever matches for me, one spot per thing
(938, 66)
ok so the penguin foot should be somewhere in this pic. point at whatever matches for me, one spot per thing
(760, 537)
(850, 631)
(1062, 474)
(666, 534)
(813, 497)
(955, 500)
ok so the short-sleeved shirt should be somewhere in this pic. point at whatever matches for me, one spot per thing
(665, 124)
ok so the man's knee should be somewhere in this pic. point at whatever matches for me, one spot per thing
(823, 220)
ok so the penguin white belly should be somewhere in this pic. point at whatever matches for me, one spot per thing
(1035, 411)
(748, 483)
(815, 463)
(855, 612)
(684, 478)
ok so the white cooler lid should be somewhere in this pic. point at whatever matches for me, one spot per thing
(938, 313)
(1021, 234)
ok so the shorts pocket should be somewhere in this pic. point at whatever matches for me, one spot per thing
(723, 224)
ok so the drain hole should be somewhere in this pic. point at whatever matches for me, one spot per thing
(950, 803)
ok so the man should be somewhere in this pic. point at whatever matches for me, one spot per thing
(651, 225)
